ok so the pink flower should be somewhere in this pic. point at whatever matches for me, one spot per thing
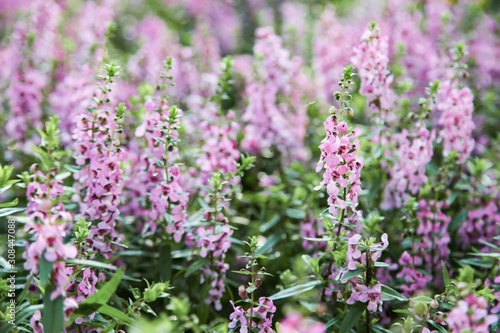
(295, 323)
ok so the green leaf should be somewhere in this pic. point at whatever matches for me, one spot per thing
(421, 299)
(351, 274)
(195, 266)
(352, 317)
(332, 322)
(476, 262)
(114, 313)
(63, 175)
(295, 213)
(109, 328)
(446, 275)
(271, 241)
(380, 329)
(10, 211)
(53, 312)
(101, 297)
(296, 290)
(382, 265)
(488, 255)
(72, 168)
(269, 224)
(27, 312)
(318, 239)
(45, 268)
(90, 263)
(390, 294)
(9, 204)
(8, 184)
(458, 220)
(436, 325)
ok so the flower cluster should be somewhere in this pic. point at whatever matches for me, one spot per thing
(97, 139)
(414, 279)
(270, 122)
(364, 289)
(212, 239)
(471, 315)
(433, 230)
(160, 126)
(371, 59)
(456, 108)
(260, 314)
(342, 165)
(262, 321)
(331, 47)
(407, 174)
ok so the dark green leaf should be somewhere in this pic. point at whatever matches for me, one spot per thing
(446, 275)
(53, 312)
(45, 268)
(195, 266)
(352, 317)
(269, 224)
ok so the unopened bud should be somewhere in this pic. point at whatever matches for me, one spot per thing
(242, 291)
(434, 304)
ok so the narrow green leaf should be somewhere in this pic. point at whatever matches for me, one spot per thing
(10, 211)
(382, 265)
(269, 224)
(72, 168)
(446, 275)
(9, 204)
(53, 312)
(390, 294)
(318, 239)
(45, 268)
(352, 317)
(421, 299)
(296, 290)
(101, 297)
(114, 313)
(295, 213)
(271, 241)
(27, 312)
(351, 274)
(110, 328)
(90, 263)
(195, 266)
(440, 328)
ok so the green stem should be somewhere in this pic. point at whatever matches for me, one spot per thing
(252, 297)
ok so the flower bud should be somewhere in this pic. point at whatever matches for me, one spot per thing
(150, 295)
(242, 291)
(434, 304)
